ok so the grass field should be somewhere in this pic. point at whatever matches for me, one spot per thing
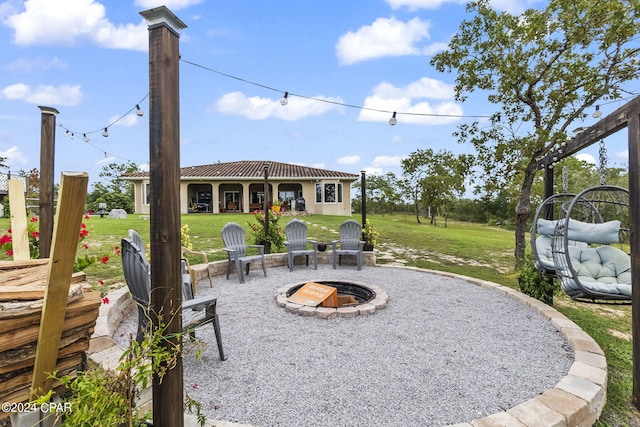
(480, 251)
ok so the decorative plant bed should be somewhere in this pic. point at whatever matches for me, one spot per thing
(368, 299)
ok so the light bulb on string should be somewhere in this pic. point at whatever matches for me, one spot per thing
(72, 135)
(285, 99)
(139, 111)
(597, 113)
(393, 121)
(66, 133)
(105, 132)
(85, 138)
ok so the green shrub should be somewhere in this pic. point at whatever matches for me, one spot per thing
(531, 282)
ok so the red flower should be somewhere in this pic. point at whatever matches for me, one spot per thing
(105, 300)
(85, 246)
(83, 225)
(10, 252)
(101, 282)
(5, 239)
(105, 259)
(87, 215)
(34, 219)
(83, 233)
(116, 250)
(35, 234)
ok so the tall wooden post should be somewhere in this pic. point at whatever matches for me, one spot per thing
(267, 208)
(363, 189)
(634, 210)
(164, 201)
(47, 152)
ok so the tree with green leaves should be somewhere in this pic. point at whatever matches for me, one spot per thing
(435, 179)
(113, 171)
(543, 70)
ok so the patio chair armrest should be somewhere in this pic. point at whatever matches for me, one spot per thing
(198, 303)
(260, 248)
(314, 243)
(200, 254)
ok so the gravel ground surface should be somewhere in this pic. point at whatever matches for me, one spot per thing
(443, 351)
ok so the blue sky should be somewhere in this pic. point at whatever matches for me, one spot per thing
(89, 60)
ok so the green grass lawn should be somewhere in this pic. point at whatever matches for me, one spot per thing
(475, 250)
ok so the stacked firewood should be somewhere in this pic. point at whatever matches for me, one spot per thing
(22, 291)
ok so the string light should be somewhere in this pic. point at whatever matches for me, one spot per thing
(285, 99)
(139, 111)
(85, 138)
(597, 113)
(287, 94)
(393, 121)
(105, 133)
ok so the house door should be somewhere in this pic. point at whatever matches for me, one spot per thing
(232, 200)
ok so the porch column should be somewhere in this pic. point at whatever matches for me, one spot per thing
(245, 197)
(215, 197)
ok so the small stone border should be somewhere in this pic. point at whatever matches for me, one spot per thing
(377, 303)
(577, 400)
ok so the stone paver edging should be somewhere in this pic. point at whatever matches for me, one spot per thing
(577, 399)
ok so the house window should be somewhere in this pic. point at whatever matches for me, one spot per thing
(330, 193)
(146, 188)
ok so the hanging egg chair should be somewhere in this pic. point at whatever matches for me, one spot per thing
(544, 224)
(590, 245)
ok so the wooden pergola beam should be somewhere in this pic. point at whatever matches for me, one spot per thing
(627, 116)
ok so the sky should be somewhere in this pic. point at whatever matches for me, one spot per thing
(338, 60)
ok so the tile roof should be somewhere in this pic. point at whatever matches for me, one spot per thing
(253, 169)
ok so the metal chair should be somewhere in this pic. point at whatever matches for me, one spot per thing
(297, 243)
(195, 312)
(349, 243)
(236, 248)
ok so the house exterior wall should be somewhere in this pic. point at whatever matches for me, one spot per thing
(325, 206)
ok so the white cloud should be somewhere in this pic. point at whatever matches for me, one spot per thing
(64, 95)
(106, 160)
(65, 22)
(370, 170)
(23, 65)
(385, 37)
(511, 6)
(387, 161)
(257, 108)
(173, 5)
(14, 156)
(126, 36)
(585, 157)
(622, 155)
(421, 4)
(129, 120)
(349, 160)
(388, 97)
(318, 165)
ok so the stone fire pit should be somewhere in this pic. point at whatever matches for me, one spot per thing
(370, 298)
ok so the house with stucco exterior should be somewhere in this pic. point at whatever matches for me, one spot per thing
(239, 187)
